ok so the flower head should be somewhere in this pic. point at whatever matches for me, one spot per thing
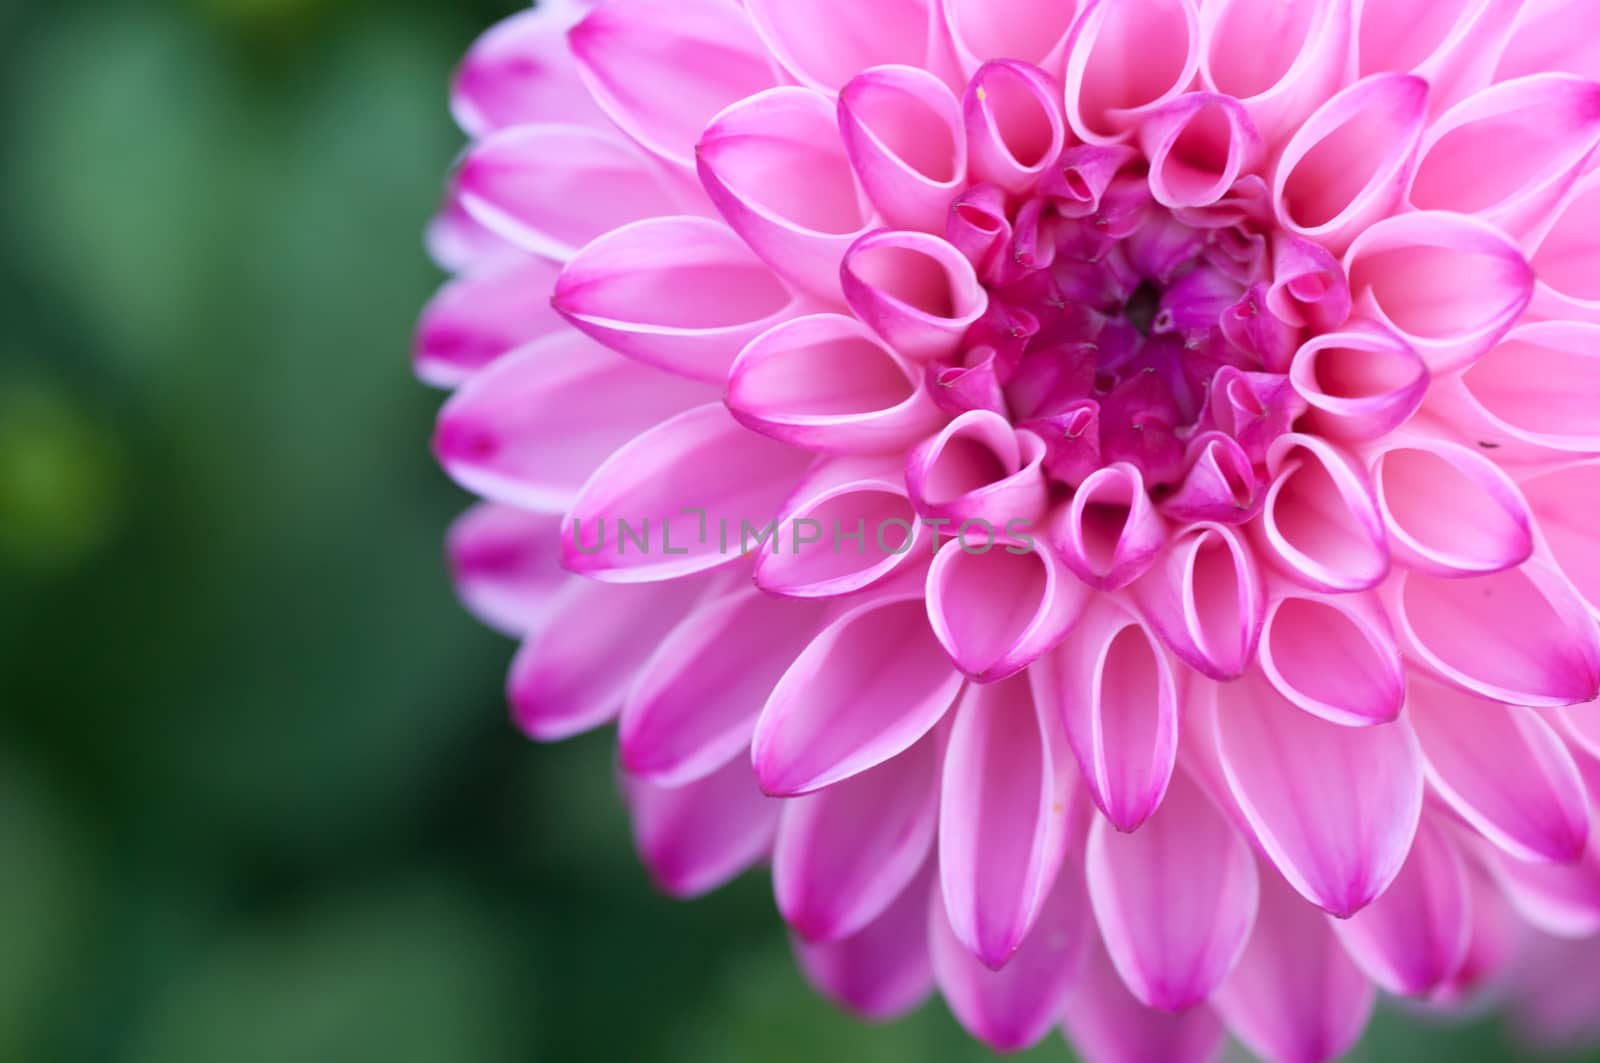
(1101, 495)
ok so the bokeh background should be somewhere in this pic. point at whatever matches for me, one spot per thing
(259, 801)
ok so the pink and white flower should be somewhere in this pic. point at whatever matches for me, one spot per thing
(1101, 495)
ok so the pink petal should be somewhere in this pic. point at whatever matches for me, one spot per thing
(1559, 899)
(684, 294)
(1448, 284)
(1221, 484)
(1109, 534)
(1334, 656)
(1004, 803)
(482, 314)
(824, 43)
(1104, 1023)
(1543, 40)
(1114, 690)
(550, 189)
(694, 705)
(1415, 937)
(1564, 502)
(1308, 285)
(884, 970)
(572, 674)
(506, 565)
(979, 469)
(1173, 937)
(521, 72)
(1280, 60)
(1521, 636)
(707, 52)
(1453, 44)
(1360, 384)
(1551, 993)
(1295, 996)
(1321, 522)
(1566, 258)
(1335, 808)
(1034, 31)
(1508, 153)
(904, 135)
(999, 606)
(846, 852)
(871, 684)
(1198, 146)
(1503, 770)
(1014, 1007)
(850, 524)
(678, 499)
(1014, 125)
(916, 291)
(698, 837)
(524, 432)
(1448, 509)
(774, 166)
(829, 384)
(1348, 165)
(1206, 600)
(1125, 59)
(1496, 931)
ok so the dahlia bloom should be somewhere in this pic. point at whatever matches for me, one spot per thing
(1101, 495)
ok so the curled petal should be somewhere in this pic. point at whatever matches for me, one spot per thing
(1308, 285)
(1012, 1008)
(1295, 996)
(1503, 770)
(1334, 808)
(1012, 112)
(1198, 146)
(1567, 257)
(998, 607)
(978, 226)
(482, 314)
(1177, 959)
(1361, 384)
(1205, 598)
(824, 43)
(707, 52)
(684, 294)
(883, 970)
(978, 468)
(694, 704)
(1078, 182)
(1279, 60)
(572, 673)
(1256, 409)
(1415, 937)
(1450, 285)
(1125, 59)
(1004, 802)
(1565, 500)
(678, 499)
(1532, 397)
(846, 852)
(1107, 1024)
(1221, 484)
(774, 167)
(1521, 636)
(550, 189)
(1508, 153)
(919, 293)
(850, 524)
(1453, 44)
(872, 683)
(1109, 534)
(1348, 165)
(1117, 697)
(829, 384)
(697, 837)
(1321, 522)
(903, 133)
(521, 431)
(1034, 31)
(1450, 510)
(521, 72)
(506, 565)
(1334, 656)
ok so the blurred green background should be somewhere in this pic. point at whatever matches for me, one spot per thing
(259, 801)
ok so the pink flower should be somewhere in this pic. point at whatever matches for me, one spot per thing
(1105, 497)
